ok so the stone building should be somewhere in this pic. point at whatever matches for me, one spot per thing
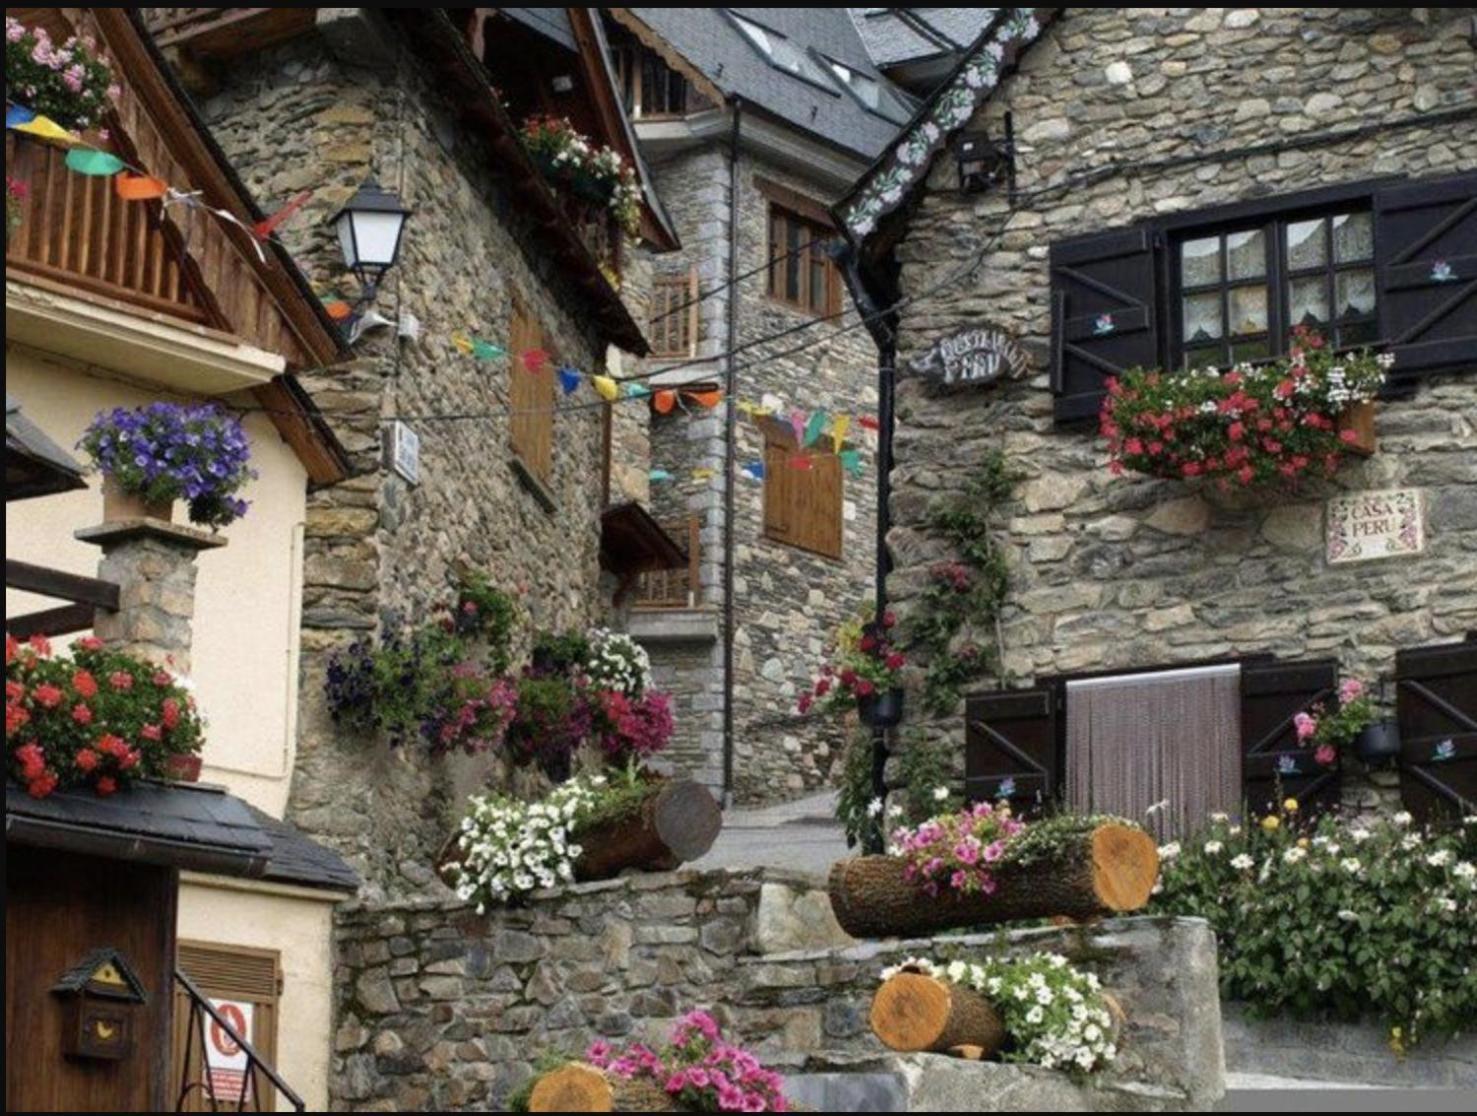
(754, 121)
(514, 478)
(1041, 219)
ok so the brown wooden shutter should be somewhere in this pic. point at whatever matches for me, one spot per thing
(223, 972)
(1436, 700)
(1102, 316)
(1426, 259)
(1011, 748)
(1274, 765)
(803, 507)
(531, 396)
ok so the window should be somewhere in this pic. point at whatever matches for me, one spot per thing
(649, 87)
(779, 51)
(531, 395)
(802, 505)
(801, 270)
(865, 89)
(1242, 292)
(673, 325)
(243, 985)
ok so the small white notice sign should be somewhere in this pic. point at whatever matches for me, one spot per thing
(1363, 526)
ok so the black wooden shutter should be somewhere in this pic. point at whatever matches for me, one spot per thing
(1010, 749)
(1426, 256)
(1102, 315)
(1436, 699)
(1274, 765)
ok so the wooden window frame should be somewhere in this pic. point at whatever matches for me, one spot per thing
(798, 240)
(531, 441)
(666, 322)
(779, 447)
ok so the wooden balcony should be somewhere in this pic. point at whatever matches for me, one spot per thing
(224, 32)
(677, 588)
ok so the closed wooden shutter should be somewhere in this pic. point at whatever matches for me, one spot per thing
(1011, 748)
(1274, 764)
(1102, 316)
(531, 396)
(1436, 700)
(803, 506)
(673, 325)
(1426, 259)
(227, 973)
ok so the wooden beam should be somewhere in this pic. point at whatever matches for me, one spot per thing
(52, 621)
(57, 583)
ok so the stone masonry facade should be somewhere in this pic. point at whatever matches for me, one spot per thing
(787, 602)
(379, 551)
(439, 1008)
(1128, 572)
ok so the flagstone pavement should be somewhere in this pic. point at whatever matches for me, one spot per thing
(801, 836)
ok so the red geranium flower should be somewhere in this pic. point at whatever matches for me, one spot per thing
(42, 784)
(90, 643)
(87, 759)
(120, 680)
(85, 684)
(106, 785)
(81, 714)
(47, 696)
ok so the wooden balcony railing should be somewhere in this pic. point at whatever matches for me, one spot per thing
(680, 588)
(87, 594)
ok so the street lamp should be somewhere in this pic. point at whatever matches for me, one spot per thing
(370, 226)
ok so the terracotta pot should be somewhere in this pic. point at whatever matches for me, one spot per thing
(1360, 419)
(120, 504)
(183, 769)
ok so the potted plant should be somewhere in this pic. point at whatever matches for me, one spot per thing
(69, 83)
(865, 674)
(154, 455)
(1328, 731)
(598, 175)
(1256, 425)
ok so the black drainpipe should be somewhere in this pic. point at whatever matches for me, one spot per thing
(730, 448)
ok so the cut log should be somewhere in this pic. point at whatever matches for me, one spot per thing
(677, 824)
(1110, 869)
(581, 1088)
(918, 1014)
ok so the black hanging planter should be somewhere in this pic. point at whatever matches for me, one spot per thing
(882, 710)
(1378, 743)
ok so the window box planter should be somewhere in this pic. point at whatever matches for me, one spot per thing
(1358, 419)
(881, 710)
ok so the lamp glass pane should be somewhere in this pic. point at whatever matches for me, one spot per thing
(346, 241)
(377, 235)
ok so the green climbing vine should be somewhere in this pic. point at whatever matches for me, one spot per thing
(968, 593)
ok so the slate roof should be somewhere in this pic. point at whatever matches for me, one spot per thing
(714, 45)
(894, 36)
(297, 859)
(551, 22)
(35, 465)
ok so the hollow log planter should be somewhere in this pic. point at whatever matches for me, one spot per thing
(1110, 869)
(677, 824)
(578, 1087)
(915, 1013)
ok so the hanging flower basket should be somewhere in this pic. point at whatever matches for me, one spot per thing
(881, 710)
(1378, 743)
(573, 162)
(1255, 426)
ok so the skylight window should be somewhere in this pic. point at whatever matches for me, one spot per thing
(866, 90)
(779, 50)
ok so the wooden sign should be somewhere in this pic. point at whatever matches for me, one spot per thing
(1364, 526)
(972, 356)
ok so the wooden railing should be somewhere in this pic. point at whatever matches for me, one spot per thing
(87, 594)
(680, 588)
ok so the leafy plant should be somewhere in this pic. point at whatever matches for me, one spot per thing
(92, 717)
(1328, 731)
(1337, 918)
(857, 808)
(631, 729)
(864, 663)
(929, 785)
(70, 83)
(1264, 424)
(969, 591)
(600, 173)
(397, 686)
(550, 723)
(560, 652)
(486, 613)
(169, 451)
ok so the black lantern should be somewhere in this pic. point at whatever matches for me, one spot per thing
(984, 160)
(370, 226)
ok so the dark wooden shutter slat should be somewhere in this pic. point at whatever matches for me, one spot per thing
(1011, 742)
(1274, 765)
(1103, 318)
(1426, 258)
(1436, 702)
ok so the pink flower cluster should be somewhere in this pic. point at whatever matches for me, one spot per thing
(70, 83)
(701, 1070)
(1324, 731)
(634, 728)
(957, 851)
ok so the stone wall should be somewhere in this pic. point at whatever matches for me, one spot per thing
(440, 1008)
(379, 551)
(788, 602)
(1128, 572)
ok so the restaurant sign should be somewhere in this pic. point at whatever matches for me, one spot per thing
(1368, 525)
(972, 356)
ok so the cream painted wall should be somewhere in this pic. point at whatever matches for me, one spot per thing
(297, 924)
(248, 593)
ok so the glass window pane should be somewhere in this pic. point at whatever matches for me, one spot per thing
(1249, 350)
(1353, 237)
(1249, 310)
(1355, 293)
(792, 261)
(1202, 317)
(1246, 254)
(1358, 333)
(1306, 244)
(1212, 357)
(1307, 301)
(1200, 262)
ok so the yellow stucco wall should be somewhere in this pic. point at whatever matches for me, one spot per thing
(248, 593)
(299, 927)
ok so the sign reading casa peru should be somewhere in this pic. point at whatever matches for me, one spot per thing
(1367, 525)
(972, 356)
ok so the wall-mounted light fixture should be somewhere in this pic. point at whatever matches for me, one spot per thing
(370, 227)
(985, 161)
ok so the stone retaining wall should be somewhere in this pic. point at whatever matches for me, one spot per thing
(438, 1007)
